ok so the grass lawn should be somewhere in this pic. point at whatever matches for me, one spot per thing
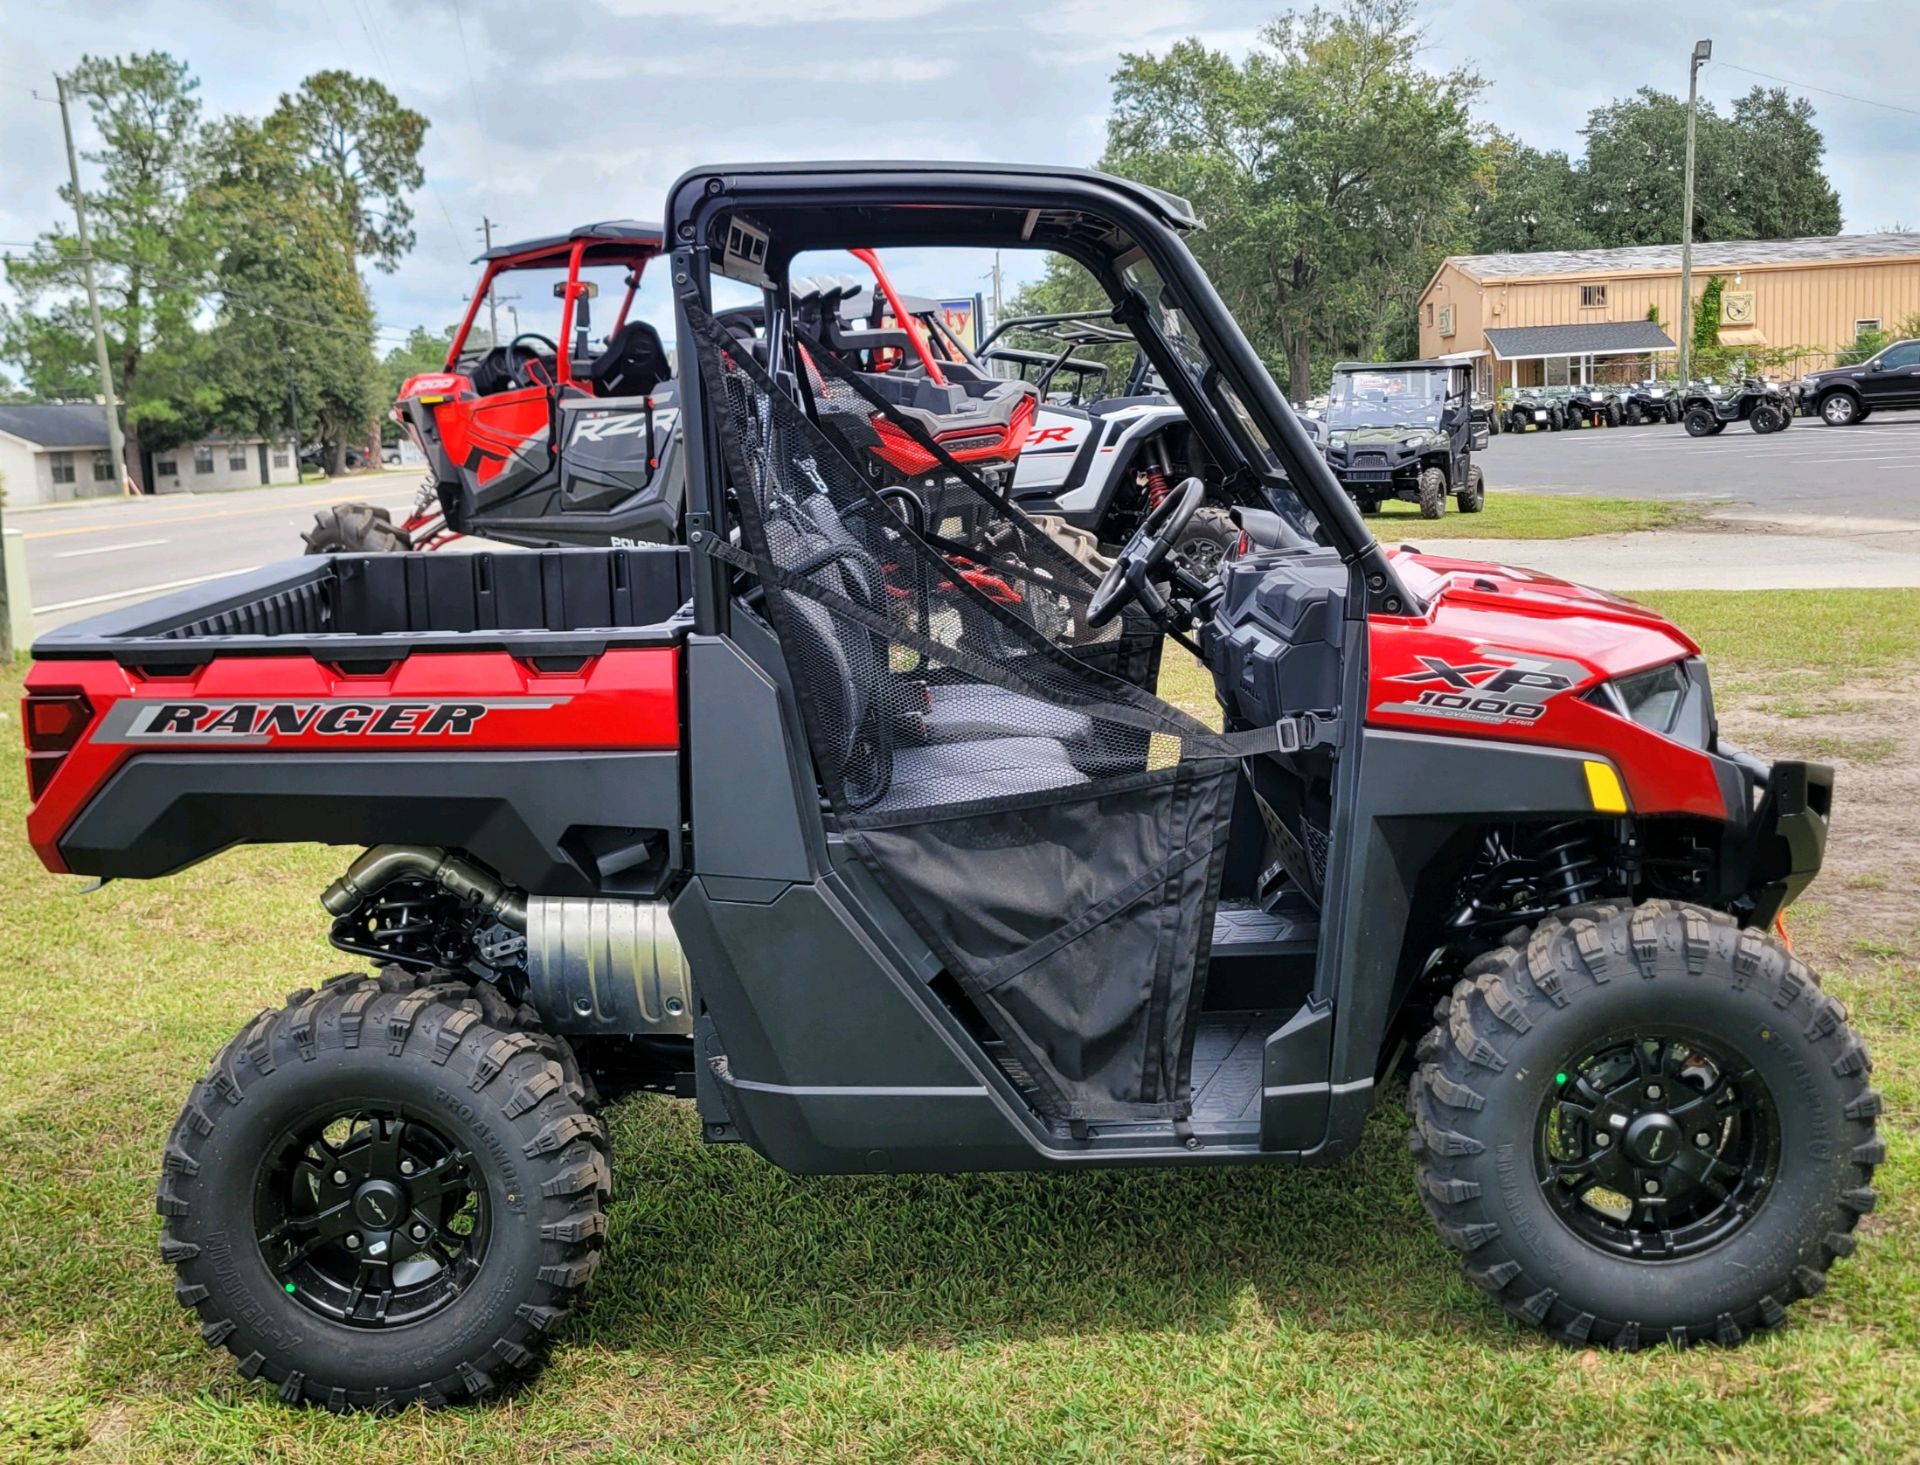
(745, 1314)
(1529, 516)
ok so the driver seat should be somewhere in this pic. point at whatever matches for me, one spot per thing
(633, 363)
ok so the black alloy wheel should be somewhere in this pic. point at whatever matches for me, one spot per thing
(1656, 1145)
(371, 1216)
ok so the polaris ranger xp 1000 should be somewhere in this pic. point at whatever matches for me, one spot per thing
(861, 830)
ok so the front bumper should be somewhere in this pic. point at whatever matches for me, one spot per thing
(1778, 833)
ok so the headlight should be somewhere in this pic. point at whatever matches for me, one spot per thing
(1674, 700)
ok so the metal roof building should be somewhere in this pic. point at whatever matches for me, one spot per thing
(1609, 314)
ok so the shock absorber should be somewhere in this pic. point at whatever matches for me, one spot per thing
(1569, 865)
(1158, 477)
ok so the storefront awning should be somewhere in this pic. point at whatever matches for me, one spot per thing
(1602, 338)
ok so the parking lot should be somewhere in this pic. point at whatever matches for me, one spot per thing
(1867, 472)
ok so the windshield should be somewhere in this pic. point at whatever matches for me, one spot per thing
(1401, 397)
(1145, 279)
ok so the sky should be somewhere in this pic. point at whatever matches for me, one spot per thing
(545, 115)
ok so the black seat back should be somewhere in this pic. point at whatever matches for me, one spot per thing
(633, 364)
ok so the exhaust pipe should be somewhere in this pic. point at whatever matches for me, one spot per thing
(593, 965)
(380, 866)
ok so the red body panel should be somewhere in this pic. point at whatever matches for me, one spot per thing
(628, 700)
(1486, 619)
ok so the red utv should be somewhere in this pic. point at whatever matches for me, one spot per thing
(531, 444)
(800, 821)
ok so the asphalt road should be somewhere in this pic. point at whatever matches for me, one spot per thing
(1856, 486)
(1870, 471)
(96, 555)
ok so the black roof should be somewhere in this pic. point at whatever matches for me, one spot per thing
(1602, 338)
(629, 232)
(55, 424)
(1430, 364)
(1172, 209)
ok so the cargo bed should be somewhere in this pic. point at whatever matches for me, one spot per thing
(381, 607)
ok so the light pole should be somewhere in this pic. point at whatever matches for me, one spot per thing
(1702, 52)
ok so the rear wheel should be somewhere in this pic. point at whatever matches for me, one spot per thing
(355, 529)
(386, 1191)
(1433, 493)
(1555, 420)
(1473, 498)
(1701, 422)
(1645, 1124)
(1613, 414)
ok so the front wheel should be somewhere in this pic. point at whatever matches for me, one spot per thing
(1644, 1124)
(1840, 409)
(1433, 492)
(1701, 422)
(1765, 419)
(385, 1192)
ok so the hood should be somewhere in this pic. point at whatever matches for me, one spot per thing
(1525, 609)
(1408, 439)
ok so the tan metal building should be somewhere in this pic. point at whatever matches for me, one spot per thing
(1563, 316)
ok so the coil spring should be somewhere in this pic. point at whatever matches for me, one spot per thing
(1570, 867)
(1157, 488)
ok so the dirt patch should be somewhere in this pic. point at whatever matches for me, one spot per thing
(1869, 733)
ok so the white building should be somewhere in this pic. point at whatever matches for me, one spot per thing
(54, 451)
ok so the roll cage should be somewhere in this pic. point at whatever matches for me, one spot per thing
(749, 223)
(614, 242)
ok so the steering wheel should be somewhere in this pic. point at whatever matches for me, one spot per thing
(515, 352)
(1129, 577)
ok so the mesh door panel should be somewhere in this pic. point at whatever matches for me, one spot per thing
(1053, 831)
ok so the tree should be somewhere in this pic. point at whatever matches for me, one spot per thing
(152, 249)
(1775, 186)
(363, 149)
(1757, 173)
(1526, 200)
(1331, 168)
(292, 312)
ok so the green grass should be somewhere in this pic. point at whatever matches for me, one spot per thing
(744, 1314)
(1530, 516)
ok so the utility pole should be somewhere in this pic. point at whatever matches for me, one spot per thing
(1702, 52)
(493, 317)
(116, 446)
(293, 420)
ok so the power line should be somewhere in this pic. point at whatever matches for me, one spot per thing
(166, 279)
(1808, 86)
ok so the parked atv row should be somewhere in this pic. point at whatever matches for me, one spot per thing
(1556, 409)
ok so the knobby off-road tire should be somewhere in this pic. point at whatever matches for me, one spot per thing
(1210, 536)
(1765, 419)
(494, 1102)
(1520, 1018)
(1701, 422)
(1473, 498)
(355, 529)
(1433, 493)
